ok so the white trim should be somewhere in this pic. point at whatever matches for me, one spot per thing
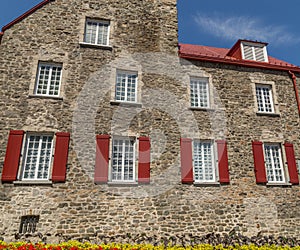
(134, 172)
(25, 155)
(214, 164)
(198, 99)
(126, 72)
(51, 65)
(281, 165)
(98, 22)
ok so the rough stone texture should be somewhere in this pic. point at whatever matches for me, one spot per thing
(143, 39)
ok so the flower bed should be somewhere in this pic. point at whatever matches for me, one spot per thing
(75, 245)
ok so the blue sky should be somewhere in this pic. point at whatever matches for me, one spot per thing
(220, 23)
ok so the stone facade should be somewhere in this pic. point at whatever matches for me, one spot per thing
(143, 38)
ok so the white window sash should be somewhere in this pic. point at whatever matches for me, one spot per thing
(49, 79)
(123, 161)
(36, 166)
(127, 73)
(98, 24)
(197, 101)
(273, 164)
(263, 98)
(213, 162)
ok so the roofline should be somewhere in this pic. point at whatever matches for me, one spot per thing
(244, 63)
(23, 16)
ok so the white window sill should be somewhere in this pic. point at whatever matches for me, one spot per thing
(278, 184)
(46, 97)
(33, 182)
(267, 114)
(98, 46)
(202, 108)
(126, 104)
(122, 184)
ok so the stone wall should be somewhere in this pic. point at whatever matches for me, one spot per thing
(143, 39)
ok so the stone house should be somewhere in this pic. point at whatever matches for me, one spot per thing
(109, 127)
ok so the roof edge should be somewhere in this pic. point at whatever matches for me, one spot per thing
(23, 16)
(251, 64)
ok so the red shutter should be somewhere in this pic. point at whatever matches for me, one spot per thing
(223, 161)
(102, 159)
(12, 156)
(259, 162)
(291, 161)
(186, 161)
(60, 157)
(144, 160)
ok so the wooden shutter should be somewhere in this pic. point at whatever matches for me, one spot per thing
(102, 159)
(259, 162)
(144, 160)
(223, 161)
(291, 162)
(60, 157)
(12, 156)
(186, 154)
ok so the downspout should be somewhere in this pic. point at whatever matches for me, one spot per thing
(295, 89)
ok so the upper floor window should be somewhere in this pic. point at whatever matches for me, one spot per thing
(204, 163)
(123, 160)
(37, 157)
(48, 79)
(254, 51)
(274, 164)
(126, 86)
(97, 32)
(199, 92)
(264, 98)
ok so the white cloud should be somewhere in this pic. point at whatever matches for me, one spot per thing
(243, 27)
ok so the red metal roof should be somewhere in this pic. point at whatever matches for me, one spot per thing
(220, 55)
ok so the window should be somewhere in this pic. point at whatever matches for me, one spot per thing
(37, 157)
(123, 160)
(126, 86)
(97, 32)
(253, 51)
(28, 224)
(204, 164)
(264, 98)
(274, 164)
(48, 79)
(199, 90)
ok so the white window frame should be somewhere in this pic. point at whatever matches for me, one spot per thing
(253, 46)
(263, 98)
(213, 161)
(198, 100)
(270, 163)
(127, 73)
(98, 24)
(134, 146)
(35, 168)
(38, 78)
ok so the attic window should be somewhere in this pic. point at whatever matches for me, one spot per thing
(254, 52)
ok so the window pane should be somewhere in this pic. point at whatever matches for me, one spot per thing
(96, 32)
(264, 99)
(199, 93)
(126, 87)
(123, 160)
(204, 169)
(38, 153)
(273, 161)
(48, 80)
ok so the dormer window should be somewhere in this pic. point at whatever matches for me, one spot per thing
(254, 51)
